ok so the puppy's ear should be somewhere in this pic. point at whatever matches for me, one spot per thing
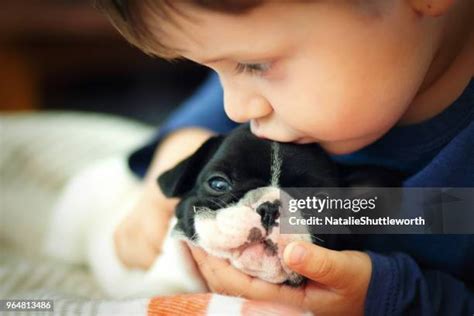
(181, 178)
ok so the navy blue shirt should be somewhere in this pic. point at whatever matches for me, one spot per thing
(412, 274)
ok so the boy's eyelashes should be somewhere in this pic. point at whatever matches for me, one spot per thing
(252, 68)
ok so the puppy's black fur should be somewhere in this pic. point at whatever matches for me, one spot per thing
(244, 161)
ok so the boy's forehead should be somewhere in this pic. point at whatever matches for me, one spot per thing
(275, 27)
(197, 33)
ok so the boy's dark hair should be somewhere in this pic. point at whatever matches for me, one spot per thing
(129, 18)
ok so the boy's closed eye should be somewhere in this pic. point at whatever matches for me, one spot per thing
(252, 68)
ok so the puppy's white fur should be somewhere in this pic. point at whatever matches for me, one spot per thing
(226, 234)
(82, 228)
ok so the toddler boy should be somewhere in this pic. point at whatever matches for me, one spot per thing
(381, 82)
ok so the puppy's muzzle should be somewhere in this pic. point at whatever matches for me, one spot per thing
(269, 213)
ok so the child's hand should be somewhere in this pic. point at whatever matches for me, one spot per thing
(139, 237)
(337, 285)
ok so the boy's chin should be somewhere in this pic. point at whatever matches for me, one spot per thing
(344, 147)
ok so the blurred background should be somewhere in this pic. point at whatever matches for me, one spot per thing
(62, 66)
(64, 55)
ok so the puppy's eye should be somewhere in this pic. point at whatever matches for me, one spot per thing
(219, 184)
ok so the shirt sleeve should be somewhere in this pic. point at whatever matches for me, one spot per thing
(205, 108)
(400, 287)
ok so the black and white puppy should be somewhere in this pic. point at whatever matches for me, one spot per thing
(230, 197)
(230, 206)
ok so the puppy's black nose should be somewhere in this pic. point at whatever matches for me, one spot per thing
(269, 212)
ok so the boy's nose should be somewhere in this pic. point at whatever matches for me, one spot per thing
(243, 110)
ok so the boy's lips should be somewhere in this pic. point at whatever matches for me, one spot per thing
(305, 140)
(290, 137)
(254, 128)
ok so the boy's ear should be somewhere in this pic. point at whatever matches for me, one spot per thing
(431, 7)
(181, 178)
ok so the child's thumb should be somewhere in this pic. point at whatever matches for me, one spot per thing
(329, 267)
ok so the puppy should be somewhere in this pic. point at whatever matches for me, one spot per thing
(230, 197)
(229, 192)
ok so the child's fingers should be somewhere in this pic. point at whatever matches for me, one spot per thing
(139, 237)
(219, 275)
(133, 250)
(332, 268)
(200, 259)
(223, 278)
(155, 230)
